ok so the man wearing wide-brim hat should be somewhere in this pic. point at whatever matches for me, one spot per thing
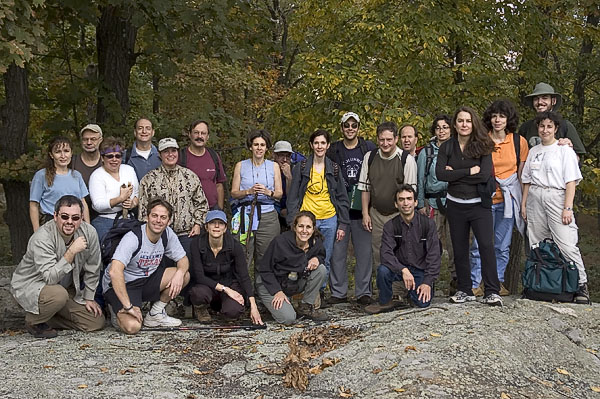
(544, 98)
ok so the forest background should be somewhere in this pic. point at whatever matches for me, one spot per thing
(288, 66)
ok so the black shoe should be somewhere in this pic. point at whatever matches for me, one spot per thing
(336, 301)
(309, 311)
(41, 330)
(325, 303)
(583, 296)
(364, 300)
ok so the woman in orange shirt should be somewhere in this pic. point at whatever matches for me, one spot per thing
(502, 119)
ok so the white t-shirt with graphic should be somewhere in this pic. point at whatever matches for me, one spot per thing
(551, 166)
(146, 261)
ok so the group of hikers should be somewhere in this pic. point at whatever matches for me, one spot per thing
(293, 218)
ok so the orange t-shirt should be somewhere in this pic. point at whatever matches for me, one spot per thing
(505, 160)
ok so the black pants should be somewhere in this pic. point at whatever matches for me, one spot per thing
(463, 218)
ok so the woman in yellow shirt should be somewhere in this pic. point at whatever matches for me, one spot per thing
(317, 186)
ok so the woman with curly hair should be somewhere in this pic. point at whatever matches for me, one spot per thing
(465, 162)
(54, 181)
(501, 120)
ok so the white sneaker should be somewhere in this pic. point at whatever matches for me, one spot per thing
(161, 320)
(492, 300)
(462, 297)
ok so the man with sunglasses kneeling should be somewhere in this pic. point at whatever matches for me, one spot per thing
(56, 280)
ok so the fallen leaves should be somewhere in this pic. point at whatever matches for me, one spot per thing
(344, 392)
(82, 386)
(393, 366)
(377, 370)
(504, 395)
(204, 372)
(49, 366)
(562, 371)
(126, 371)
(595, 389)
(410, 348)
(85, 346)
(307, 345)
(399, 390)
(436, 335)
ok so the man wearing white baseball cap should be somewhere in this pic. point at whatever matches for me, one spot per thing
(89, 159)
(181, 188)
(348, 153)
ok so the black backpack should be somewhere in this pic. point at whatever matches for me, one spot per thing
(111, 240)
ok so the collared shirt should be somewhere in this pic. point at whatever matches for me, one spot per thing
(142, 165)
(181, 188)
(44, 264)
(412, 251)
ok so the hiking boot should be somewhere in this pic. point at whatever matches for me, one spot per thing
(462, 297)
(321, 302)
(364, 300)
(113, 318)
(309, 311)
(375, 308)
(41, 330)
(336, 301)
(478, 291)
(582, 296)
(161, 319)
(503, 290)
(492, 300)
(201, 312)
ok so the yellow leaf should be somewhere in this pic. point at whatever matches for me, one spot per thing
(393, 366)
(595, 389)
(236, 347)
(410, 348)
(82, 386)
(562, 371)
(376, 371)
(435, 335)
(196, 371)
(504, 396)
(315, 370)
(104, 369)
(399, 389)
(592, 351)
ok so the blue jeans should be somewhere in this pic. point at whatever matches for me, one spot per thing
(327, 227)
(502, 239)
(385, 278)
(102, 226)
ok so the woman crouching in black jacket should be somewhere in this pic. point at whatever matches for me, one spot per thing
(293, 264)
(219, 272)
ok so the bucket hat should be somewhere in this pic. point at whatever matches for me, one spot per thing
(541, 89)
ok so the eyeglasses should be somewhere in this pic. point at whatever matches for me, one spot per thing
(92, 139)
(66, 217)
(111, 156)
(350, 125)
(438, 128)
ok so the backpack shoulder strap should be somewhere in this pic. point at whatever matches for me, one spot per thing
(517, 143)
(363, 146)
(216, 161)
(137, 230)
(403, 157)
(182, 161)
(372, 154)
(428, 160)
(165, 239)
(127, 155)
(302, 166)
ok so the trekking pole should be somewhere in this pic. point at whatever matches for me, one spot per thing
(125, 211)
(252, 209)
(246, 327)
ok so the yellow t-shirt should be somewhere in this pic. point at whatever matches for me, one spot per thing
(316, 197)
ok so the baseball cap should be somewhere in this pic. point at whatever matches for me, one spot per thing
(349, 115)
(167, 142)
(216, 214)
(283, 146)
(91, 126)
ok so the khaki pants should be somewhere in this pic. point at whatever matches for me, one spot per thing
(377, 222)
(268, 228)
(59, 310)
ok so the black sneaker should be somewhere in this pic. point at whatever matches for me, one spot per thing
(364, 300)
(336, 301)
(41, 330)
(583, 296)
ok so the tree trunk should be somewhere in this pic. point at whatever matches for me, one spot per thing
(583, 66)
(14, 123)
(512, 275)
(115, 41)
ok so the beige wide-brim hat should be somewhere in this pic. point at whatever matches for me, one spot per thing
(542, 89)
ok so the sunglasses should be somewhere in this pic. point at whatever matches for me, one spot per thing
(66, 217)
(350, 125)
(111, 156)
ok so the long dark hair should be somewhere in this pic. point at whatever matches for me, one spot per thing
(58, 141)
(479, 143)
(311, 216)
